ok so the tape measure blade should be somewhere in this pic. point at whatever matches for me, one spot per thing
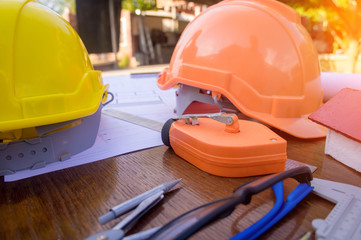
(134, 119)
(290, 164)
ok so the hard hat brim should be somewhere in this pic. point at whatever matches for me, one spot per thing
(299, 127)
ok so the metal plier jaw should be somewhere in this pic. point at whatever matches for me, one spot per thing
(141, 205)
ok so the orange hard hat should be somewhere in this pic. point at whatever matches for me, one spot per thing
(258, 56)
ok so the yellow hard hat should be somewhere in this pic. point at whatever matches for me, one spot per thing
(257, 55)
(50, 95)
(45, 72)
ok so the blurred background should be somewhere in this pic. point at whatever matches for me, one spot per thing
(131, 33)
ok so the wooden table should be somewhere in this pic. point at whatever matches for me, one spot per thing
(66, 204)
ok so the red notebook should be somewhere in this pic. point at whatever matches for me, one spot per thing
(342, 113)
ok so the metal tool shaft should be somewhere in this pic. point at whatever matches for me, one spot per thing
(125, 207)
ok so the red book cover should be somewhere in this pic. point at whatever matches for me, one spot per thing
(342, 113)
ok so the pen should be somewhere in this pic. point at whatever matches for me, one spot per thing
(125, 207)
(306, 236)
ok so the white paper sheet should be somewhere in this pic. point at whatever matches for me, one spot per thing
(137, 96)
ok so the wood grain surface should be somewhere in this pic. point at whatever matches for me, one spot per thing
(66, 204)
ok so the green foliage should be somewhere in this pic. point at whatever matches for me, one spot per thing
(124, 62)
(142, 5)
(340, 17)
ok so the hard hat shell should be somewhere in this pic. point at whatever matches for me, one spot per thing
(45, 72)
(259, 56)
